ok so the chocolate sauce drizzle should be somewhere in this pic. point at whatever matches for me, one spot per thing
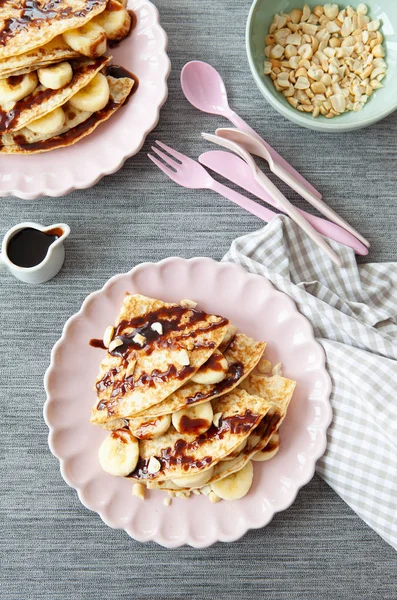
(33, 12)
(235, 372)
(181, 453)
(174, 320)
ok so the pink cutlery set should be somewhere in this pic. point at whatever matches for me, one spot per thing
(204, 89)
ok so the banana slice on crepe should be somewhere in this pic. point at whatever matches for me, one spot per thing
(235, 486)
(119, 453)
(236, 451)
(197, 419)
(50, 124)
(115, 21)
(16, 88)
(94, 96)
(89, 40)
(270, 450)
(56, 76)
(227, 340)
(213, 371)
(149, 430)
(193, 481)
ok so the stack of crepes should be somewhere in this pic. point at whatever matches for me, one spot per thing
(189, 400)
(55, 83)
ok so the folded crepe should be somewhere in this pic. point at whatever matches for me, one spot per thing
(181, 455)
(242, 354)
(53, 52)
(161, 345)
(113, 25)
(276, 388)
(41, 101)
(277, 392)
(78, 124)
(28, 25)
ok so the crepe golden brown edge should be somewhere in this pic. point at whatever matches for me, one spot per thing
(239, 426)
(25, 27)
(89, 38)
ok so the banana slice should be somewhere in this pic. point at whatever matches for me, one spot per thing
(51, 123)
(229, 335)
(196, 419)
(213, 371)
(55, 76)
(115, 22)
(119, 453)
(90, 39)
(148, 430)
(15, 88)
(194, 481)
(94, 96)
(236, 485)
(236, 451)
(268, 451)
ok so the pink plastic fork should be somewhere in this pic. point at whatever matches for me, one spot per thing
(190, 174)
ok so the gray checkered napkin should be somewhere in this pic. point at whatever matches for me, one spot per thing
(353, 311)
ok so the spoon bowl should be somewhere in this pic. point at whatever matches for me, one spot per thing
(203, 87)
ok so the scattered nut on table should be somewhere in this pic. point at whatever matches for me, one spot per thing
(326, 61)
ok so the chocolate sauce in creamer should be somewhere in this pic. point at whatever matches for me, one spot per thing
(29, 246)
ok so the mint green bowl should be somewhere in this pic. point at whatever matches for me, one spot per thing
(381, 104)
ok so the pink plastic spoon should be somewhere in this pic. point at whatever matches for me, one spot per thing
(204, 88)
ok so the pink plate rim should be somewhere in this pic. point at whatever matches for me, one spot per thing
(103, 152)
(243, 281)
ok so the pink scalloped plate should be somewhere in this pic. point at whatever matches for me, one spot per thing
(62, 171)
(258, 310)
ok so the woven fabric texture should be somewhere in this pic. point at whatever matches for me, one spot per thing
(353, 314)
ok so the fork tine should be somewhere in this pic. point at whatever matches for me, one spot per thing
(162, 166)
(171, 151)
(167, 159)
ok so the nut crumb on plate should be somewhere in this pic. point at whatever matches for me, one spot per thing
(138, 490)
(213, 497)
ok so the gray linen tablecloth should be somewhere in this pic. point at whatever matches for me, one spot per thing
(52, 547)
